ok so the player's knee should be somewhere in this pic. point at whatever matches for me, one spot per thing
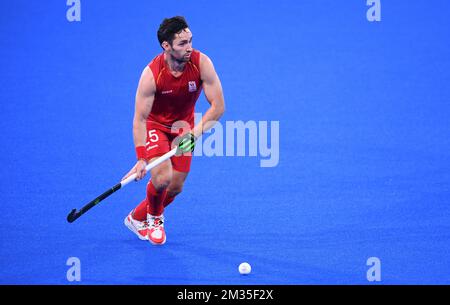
(162, 177)
(174, 189)
(162, 182)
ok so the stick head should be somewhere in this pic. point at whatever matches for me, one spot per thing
(72, 216)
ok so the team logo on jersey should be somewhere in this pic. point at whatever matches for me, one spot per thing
(192, 86)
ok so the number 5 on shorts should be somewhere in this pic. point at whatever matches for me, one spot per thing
(153, 136)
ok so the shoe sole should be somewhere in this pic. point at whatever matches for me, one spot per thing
(132, 229)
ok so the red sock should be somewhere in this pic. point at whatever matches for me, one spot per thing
(155, 200)
(168, 199)
(140, 212)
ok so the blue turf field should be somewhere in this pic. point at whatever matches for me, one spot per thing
(364, 156)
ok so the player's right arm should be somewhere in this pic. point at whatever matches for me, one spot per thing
(145, 96)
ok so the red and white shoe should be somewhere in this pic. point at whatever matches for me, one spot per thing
(156, 233)
(140, 228)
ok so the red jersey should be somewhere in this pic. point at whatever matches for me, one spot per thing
(175, 97)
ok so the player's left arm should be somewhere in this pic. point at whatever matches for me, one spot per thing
(214, 95)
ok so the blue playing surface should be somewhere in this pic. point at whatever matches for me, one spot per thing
(364, 143)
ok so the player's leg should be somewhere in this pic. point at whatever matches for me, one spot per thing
(153, 203)
(175, 187)
(171, 181)
(161, 175)
(181, 167)
(167, 182)
(156, 193)
(156, 187)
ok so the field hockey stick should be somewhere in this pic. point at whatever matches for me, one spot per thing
(74, 214)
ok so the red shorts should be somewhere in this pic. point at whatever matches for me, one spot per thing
(159, 141)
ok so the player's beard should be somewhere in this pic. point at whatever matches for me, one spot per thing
(182, 59)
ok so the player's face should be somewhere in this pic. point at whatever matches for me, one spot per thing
(181, 48)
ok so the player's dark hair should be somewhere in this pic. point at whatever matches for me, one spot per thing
(169, 27)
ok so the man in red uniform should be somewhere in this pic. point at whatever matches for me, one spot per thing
(166, 95)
